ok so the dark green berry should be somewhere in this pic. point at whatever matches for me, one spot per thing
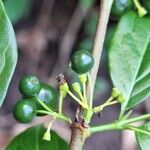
(29, 85)
(120, 7)
(82, 61)
(24, 110)
(48, 95)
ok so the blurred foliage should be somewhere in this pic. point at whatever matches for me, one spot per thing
(146, 4)
(101, 87)
(86, 3)
(17, 9)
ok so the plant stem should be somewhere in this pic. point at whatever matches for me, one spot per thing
(118, 125)
(56, 115)
(43, 105)
(136, 129)
(141, 10)
(136, 119)
(107, 103)
(99, 38)
(103, 128)
(77, 137)
(60, 103)
(76, 99)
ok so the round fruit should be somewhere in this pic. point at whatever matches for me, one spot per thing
(24, 110)
(29, 86)
(82, 61)
(119, 7)
(48, 96)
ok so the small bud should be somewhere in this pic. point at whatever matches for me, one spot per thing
(76, 87)
(64, 87)
(47, 136)
(121, 98)
(115, 92)
(83, 78)
(142, 12)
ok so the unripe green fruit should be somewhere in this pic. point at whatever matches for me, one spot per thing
(82, 61)
(120, 7)
(48, 96)
(24, 110)
(29, 86)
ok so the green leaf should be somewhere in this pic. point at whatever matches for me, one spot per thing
(8, 52)
(31, 139)
(129, 59)
(143, 139)
(16, 9)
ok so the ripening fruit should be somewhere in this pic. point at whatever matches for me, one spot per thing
(82, 61)
(25, 110)
(29, 85)
(48, 95)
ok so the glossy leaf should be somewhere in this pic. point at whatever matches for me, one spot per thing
(129, 59)
(143, 139)
(31, 139)
(16, 9)
(8, 52)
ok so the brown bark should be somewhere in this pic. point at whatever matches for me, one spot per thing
(78, 136)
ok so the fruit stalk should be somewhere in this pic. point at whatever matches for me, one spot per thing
(77, 138)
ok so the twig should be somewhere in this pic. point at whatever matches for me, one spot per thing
(99, 40)
(77, 135)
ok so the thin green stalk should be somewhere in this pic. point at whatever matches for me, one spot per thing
(47, 134)
(141, 10)
(119, 125)
(43, 105)
(76, 99)
(137, 4)
(136, 119)
(56, 115)
(60, 103)
(136, 129)
(81, 96)
(103, 128)
(101, 107)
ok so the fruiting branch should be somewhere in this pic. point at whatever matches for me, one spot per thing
(99, 40)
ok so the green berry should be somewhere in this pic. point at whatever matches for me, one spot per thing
(119, 7)
(48, 96)
(82, 61)
(29, 86)
(24, 110)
